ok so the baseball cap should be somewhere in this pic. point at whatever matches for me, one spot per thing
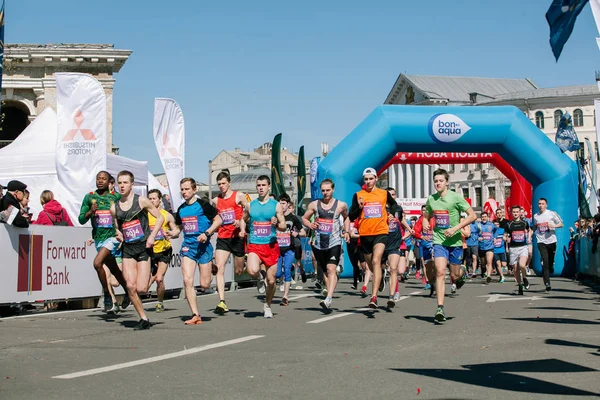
(370, 171)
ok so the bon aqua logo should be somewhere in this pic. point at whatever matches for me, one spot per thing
(447, 128)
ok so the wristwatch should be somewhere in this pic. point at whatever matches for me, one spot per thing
(207, 234)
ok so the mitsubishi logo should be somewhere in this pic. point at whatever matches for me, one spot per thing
(87, 134)
(166, 148)
(403, 157)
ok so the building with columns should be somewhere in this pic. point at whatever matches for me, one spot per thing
(29, 86)
(543, 106)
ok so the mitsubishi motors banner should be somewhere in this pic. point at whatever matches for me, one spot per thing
(169, 137)
(81, 139)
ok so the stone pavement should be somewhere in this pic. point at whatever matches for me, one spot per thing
(494, 346)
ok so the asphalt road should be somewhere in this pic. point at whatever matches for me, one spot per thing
(494, 346)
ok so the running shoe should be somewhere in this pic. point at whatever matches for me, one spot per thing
(318, 285)
(528, 271)
(115, 309)
(373, 302)
(526, 282)
(107, 302)
(548, 287)
(439, 315)
(453, 288)
(391, 303)
(324, 292)
(326, 303)
(267, 311)
(126, 302)
(424, 281)
(159, 307)
(142, 324)
(382, 283)
(339, 269)
(431, 290)
(405, 276)
(363, 290)
(353, 287)
(261, 286)
(284, 302)
(488, 279)
(303, 275)
(195, 320)
(293, 282)
(221, 308)
(520, 290)
(282, 288)
(396, 296)
(501, 280)
(418, 275)
(461, 281)
(427, 286)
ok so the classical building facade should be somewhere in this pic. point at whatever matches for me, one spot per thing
(543, 106)
(29, 86)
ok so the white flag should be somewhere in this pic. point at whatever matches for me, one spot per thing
(169, 137)
(595, 4)
(81, 139)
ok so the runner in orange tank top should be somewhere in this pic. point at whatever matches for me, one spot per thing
(369, 207)
(230, 238)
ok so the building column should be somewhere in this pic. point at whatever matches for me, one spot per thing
(392, 175)
(410, 188)
(40, 100)
(400, 176)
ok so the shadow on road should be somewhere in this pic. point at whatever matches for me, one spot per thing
(559, 308)
(502, 376)
(569, 321)
(559, 342)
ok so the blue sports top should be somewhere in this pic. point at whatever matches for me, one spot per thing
(195, 218)
(262, 230)
(473, 240)
(487, 231)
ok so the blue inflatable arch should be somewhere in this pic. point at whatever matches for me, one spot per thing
(504, 130)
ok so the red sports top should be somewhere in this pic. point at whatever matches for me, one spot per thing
(229, 211)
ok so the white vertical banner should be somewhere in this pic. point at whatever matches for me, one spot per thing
(169, 137)
(597, 112)
(81, 139)
(595, 4)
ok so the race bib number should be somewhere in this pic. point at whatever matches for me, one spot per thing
(372, 210)
(284, 240)
(498, 242)
(442, 219)
(543, 227)
(518, 236)
(132, 231)
(486, 236)
(325, 226)
(159, 235)
(103, 219)
(190, 225)
(228, 216)
(262, 229)
(393, 225)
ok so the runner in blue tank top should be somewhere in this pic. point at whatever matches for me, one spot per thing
(198, 220)
(264, 216)
(486, 244)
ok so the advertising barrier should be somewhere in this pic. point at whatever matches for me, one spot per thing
(54, 262)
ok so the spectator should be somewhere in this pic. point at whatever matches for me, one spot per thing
(25, 206)
(167, 203)
(53, 213)
(1, 192)
(15, 192)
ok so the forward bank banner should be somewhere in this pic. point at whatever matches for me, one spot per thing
(169, 137)
(55, 262)
(81, 139)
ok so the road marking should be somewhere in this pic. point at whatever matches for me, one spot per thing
(344, 314)
(301, 296)
(492, 298)
(149, 360)
(335, 316)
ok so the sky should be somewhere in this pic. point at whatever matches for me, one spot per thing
(313, 70)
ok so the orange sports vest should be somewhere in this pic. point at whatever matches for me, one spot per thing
(374, 217)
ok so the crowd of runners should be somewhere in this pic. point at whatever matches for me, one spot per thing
(133, 236)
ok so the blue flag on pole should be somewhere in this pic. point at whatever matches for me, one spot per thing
(566, 138)
(561, 17)
(1, 45)
(315, 192)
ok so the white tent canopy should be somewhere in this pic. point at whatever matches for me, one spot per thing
(31, 159)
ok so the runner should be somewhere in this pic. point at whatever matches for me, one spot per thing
(472, 253)
(285, 240)
(517, 231)
(369, 207)
(354, 255)
(230, 239)
(162, 252)
(298, 247)
(395, 249)
(263, 214)
(529, 239)
(199, 220)
(425, 238)
(96, 207)
(327, 248)
(445, 206)
(134, 233)
(503, 222)
(487, 232)
(545, 224)
(500, 238)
